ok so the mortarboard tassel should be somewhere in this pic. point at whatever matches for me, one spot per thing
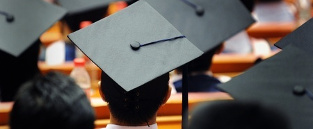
(9, 17)
(300, 91)
(137, 45)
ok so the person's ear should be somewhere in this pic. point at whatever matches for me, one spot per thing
(101, 92)
(168, 94)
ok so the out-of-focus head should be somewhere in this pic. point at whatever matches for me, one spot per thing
(53, 101)
(237, 115)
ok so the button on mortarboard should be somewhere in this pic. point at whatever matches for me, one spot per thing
(283, 81)
(299, 90)
(135, 45)
(22, 22)
(199, 9)
(9, 17)
(108, 43)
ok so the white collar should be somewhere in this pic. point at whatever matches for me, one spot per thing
(113, 126)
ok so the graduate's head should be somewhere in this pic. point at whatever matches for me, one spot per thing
(53, 101)
(137, 106)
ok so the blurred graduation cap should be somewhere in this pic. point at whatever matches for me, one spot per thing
(84, 10)
(300, 35)
(80, 6)
(206, 23)
(22, 22)
(283, 81)
(135, 45)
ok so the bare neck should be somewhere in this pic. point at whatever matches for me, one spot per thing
(115, 121)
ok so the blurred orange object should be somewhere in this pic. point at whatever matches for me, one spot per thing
(51, 35)
(84, 24)
(116, 6)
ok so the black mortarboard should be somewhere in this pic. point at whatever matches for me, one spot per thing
(22, 22)
(283, 81)
(135, 45)
(80, 6)
(206, 23)
(299, 36)
(84, 10)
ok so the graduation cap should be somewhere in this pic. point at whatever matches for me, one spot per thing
(84, 10)
(193, 25)
(22, 22)
(299, 36)
(80, 6)
(283, 81)
(135, 45)
(206, 23)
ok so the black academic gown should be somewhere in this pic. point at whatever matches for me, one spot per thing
(15, 71)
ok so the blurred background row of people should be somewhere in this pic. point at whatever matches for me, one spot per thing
(57, 49)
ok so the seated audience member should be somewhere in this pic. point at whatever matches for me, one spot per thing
(233, 114)
(53, 101)
(200, 77)
(138, 107)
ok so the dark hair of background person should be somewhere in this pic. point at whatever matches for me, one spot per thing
(249, 4)
(264, 1)
(203, 62)
(53, 101)
(17, 70)
(137, 106)
(237, 115)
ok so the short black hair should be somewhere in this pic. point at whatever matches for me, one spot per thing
(231, 114)
(53, 101)
(137, 106)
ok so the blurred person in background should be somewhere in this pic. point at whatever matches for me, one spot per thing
(234, 114)
(51, 101)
